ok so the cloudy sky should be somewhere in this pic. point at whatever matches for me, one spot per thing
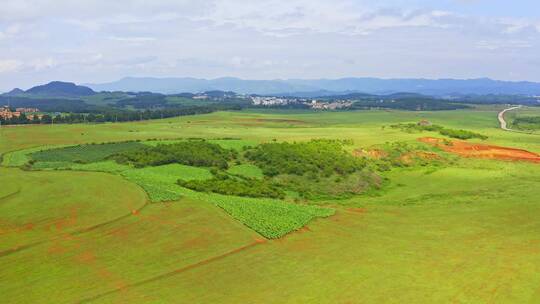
(102, 40)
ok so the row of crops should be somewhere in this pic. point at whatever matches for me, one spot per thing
(85, 153)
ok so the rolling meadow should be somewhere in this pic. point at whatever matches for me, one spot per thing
(79, 224)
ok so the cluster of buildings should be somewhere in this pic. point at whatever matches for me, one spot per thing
(6, 113)
(334, 105)
(271, 101)
(312, 103)
(217, 95)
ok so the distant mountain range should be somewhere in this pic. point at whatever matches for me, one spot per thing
(450, 88)
(54, 89)
(321, 87)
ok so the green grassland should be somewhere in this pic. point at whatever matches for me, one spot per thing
(461, 231)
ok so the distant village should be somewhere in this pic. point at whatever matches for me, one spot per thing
(7, 113)
(311, 103)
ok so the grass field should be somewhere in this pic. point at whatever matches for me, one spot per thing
(467, 232)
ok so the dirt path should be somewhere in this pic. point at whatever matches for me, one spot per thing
(504, 124)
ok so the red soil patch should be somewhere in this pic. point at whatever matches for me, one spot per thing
(466, 149)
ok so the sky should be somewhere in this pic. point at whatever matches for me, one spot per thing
(94, 41)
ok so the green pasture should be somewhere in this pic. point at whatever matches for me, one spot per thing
(463, 232)
(49, 204)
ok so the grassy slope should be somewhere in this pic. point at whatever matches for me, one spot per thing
(460, 244)
(161, 239)
(52, 203)
(365, 127)
(466, 234)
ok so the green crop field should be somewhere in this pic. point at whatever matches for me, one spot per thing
(83, 153)
(78, 226)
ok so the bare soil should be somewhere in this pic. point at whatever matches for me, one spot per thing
(476, 150)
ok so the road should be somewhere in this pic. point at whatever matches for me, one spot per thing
(504, 124)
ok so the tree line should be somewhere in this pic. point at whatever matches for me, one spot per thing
(113, 115)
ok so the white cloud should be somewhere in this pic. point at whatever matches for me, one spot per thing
(42, 64)
(132, 39)
(283, 18)
(10, 65)
(503, 44)
(92, 40)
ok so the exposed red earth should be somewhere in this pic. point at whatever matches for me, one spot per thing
(476, 150)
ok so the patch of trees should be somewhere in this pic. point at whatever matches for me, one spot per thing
(314, 187)
(116, 115)
(496, 99)
(231, 185)
(454, 133)
(50, 104)
(144, 101)
(410, 104)
(316, 157)
(191, 153)
(527, 123)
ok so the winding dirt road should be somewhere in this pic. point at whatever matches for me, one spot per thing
(504, 124)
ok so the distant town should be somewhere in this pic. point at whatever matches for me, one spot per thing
(7, 113)
(311, 103)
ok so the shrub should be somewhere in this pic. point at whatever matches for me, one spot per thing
(319, 157)
(459, 134)
(192, 153)
(227, 185)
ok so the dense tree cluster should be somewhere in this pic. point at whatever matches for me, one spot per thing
(144, 101)
(192, 153)
(231, 185)
(320, 157)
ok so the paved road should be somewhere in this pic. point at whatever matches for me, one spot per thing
(504, 124)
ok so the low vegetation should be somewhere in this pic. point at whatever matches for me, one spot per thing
(192, 153)
(316, 157)
(270, 218)
(229, 185)
(246, 170)
(85, 153)
(402, 154)
(527, 123)
(453, 133)
(335, 187)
